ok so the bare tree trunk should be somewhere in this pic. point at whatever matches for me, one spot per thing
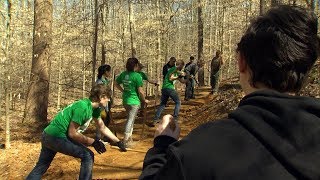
(103, 53)
(216, 23)
(84, 54)
(7, 76)
(159, 42)
(222, 28)
(230, 54)
(200, 45)
(262, 6)
(84, 72)
(248, 12)
(95, 41)
(59, 79)
(7, 119)
(104, 15)
(133, 50)
(61, 56)
(38, 94)
(210, 30)
(122, 30)
(147, 84)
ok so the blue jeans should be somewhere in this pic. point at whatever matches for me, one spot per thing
(132, 111)
(165, 94)
(51, 145)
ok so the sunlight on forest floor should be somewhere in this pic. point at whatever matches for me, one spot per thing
(17, 162)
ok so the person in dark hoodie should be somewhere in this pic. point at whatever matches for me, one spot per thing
(273, 134)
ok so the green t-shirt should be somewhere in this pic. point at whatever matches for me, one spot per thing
(143, 75)
(80, 112)
(130, 81)
(167, 84)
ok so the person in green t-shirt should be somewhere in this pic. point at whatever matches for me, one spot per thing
(144, 78)
(64, 134)
(168, 90)
(132, 93)
(104, 74)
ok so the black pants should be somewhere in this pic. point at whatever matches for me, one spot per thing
(189, 93)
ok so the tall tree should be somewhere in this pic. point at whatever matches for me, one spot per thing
(262, 6)
(38, 92)
(104, 17)
(6, 93)
(200, 45)
(95, 41)
(133, 49)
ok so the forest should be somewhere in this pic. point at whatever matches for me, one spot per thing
(51, 51)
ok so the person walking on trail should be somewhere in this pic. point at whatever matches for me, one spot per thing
(215, 67)
(273, 133)
(168, 91)
(132, 95)
(144, 78)
(104, 75)
(166, 67)
(64, 134)
(191, 70)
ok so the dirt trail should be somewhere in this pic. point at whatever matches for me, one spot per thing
(17, 162)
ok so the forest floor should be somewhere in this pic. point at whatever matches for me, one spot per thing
(18, 161)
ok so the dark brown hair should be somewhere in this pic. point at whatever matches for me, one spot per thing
(281, 47)
(99, 91)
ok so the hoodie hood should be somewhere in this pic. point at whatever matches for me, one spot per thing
(287, 126)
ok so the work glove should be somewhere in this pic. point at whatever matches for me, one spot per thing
(121, 146)
(99, 146)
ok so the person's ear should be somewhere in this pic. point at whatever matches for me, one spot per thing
(242, 64)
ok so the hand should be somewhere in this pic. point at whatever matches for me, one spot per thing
(99, 146)
(168, 127)
(146, 101)
(122, 147)
(181, 73)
